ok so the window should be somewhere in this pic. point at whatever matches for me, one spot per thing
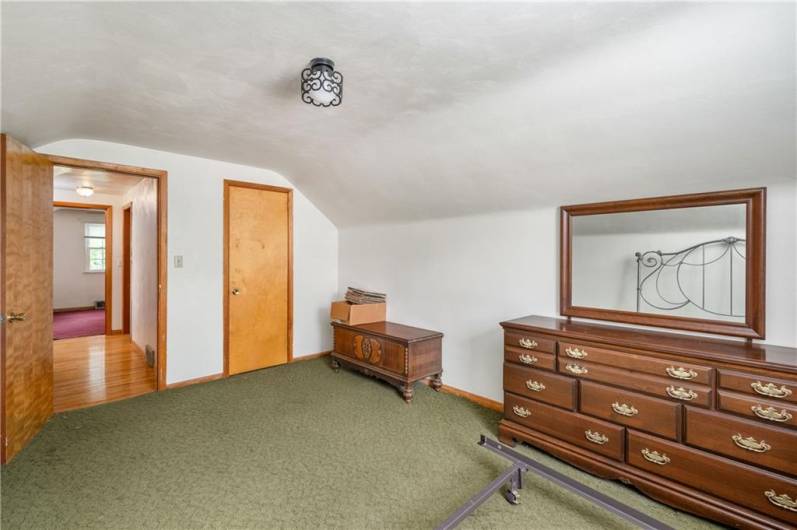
(94, 237)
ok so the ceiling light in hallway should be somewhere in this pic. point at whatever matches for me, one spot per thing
(85, 191)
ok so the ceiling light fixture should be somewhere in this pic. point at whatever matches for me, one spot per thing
(85, 191)
(321, 85)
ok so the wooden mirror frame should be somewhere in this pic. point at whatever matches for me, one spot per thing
(755, 201)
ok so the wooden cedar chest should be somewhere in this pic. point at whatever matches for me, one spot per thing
(398, 354)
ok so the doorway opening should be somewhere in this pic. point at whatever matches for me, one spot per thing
(82, 284)
(26, 292)
(108, 301)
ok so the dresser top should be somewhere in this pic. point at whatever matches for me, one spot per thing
(391, 330)
(751, 354)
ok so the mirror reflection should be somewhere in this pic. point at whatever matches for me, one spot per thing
(687, 262)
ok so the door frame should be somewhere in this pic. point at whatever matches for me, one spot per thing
(127, 241)
(108, 253)
(160, 177)
(225, 283)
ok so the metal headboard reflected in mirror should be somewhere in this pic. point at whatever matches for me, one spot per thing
(693, 262)
(704, 276)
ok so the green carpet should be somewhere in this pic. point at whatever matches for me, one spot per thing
(297, 446)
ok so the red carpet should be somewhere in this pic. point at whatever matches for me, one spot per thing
(70, 324)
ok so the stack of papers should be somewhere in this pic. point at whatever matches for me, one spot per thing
(359, 296)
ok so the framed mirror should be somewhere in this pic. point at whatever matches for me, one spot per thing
(692, 262)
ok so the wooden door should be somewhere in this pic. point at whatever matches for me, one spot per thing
(26, 298)
(127, 240)
(258, 276)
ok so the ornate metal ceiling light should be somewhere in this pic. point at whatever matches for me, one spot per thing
(321, 85)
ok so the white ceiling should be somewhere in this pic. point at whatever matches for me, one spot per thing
(103, 182)
(448, 109)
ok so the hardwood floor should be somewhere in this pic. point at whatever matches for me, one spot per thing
(93, 370)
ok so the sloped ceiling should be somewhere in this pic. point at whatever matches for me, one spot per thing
(448, 109)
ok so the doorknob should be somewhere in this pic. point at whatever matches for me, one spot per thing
(236, 291)
(16, 317)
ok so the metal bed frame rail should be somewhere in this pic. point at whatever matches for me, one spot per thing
(513, 479)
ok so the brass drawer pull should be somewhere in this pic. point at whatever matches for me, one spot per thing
(576, 369)
(750, 443)
(523, 412)
(535, 386)
(771, 390)
(596, 437)
(681, 373)
(781, 501)
(771, 413)
(655, 457)
(527, 343)
(681, 393)
(525, 358)
(625, 410)
(575, 353)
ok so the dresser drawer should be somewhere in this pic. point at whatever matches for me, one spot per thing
(770, 412)
(674, 370)
(583, 431)
(536, 359)
(648, 384)
(766, 387)
(744, 440)
(529, 341)
(629, 408)
(738, 483)
(542, 386)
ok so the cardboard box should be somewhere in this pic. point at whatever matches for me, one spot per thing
(358, 313)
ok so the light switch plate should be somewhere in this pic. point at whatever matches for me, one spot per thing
(178, 262)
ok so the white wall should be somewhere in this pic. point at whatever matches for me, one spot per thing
(144, 256)
(195, 225)
(116, 281)
(462, 276)
(72, 285)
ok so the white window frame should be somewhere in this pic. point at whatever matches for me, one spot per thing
(87, 239)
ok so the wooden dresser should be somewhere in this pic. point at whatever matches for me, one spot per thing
(398, 354)
(706, 425)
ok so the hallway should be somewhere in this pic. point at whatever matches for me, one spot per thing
(93, 370)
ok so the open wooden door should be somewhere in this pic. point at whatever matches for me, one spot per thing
(26, 294)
